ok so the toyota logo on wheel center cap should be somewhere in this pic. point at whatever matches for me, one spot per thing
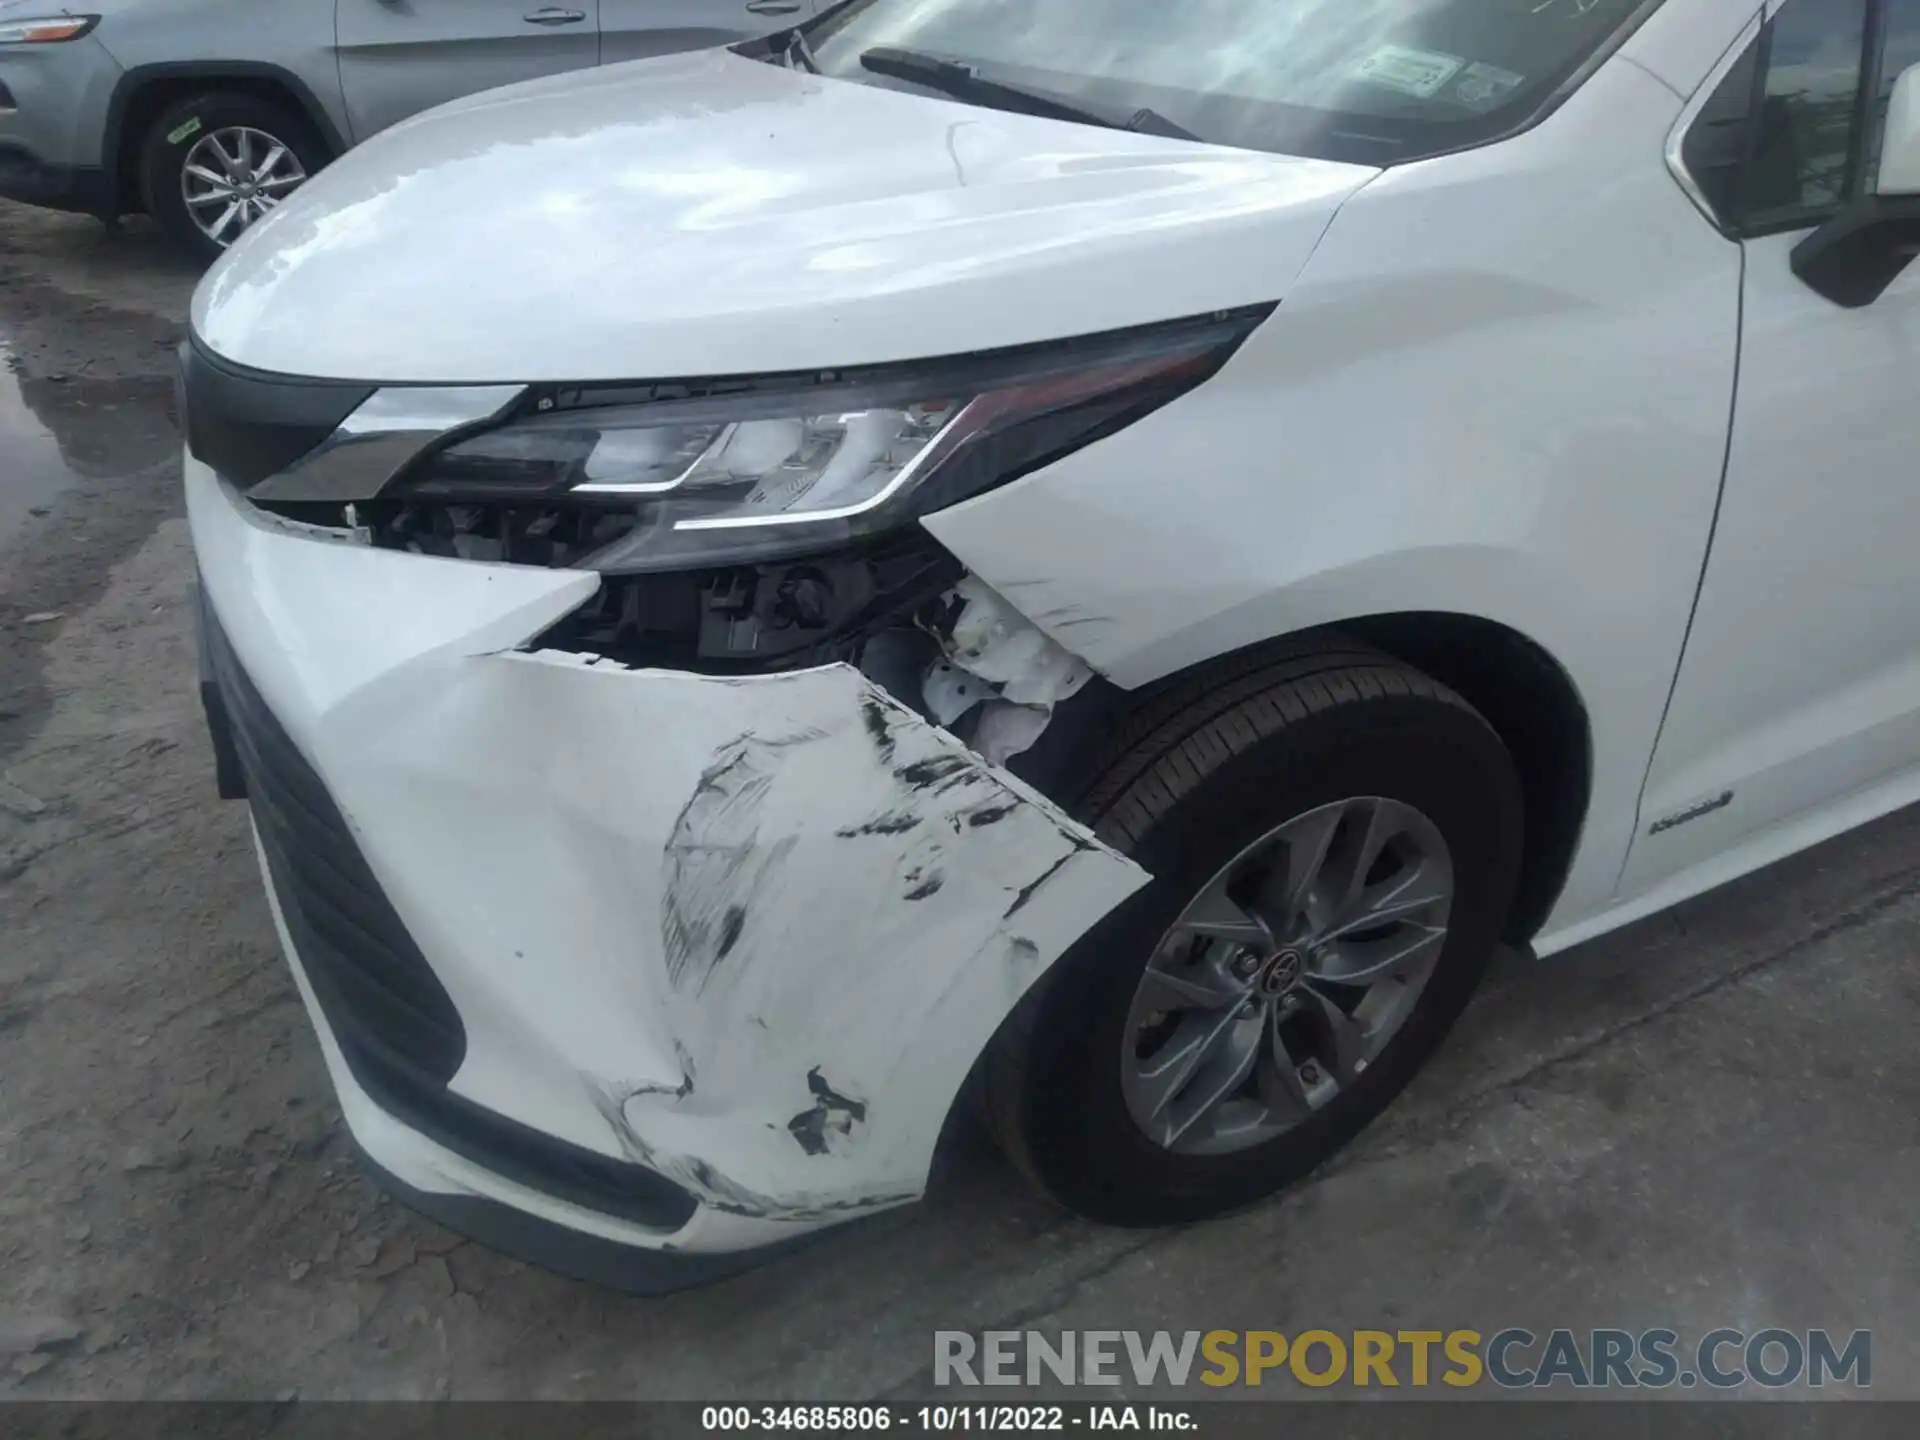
(1282, 973)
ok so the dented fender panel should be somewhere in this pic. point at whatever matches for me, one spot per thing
(750, 932)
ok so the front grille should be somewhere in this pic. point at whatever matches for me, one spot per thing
(396, 1026)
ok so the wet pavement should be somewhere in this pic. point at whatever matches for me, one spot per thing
(1708, 1119)
(88, 464)
(36, 473)
(61, 429)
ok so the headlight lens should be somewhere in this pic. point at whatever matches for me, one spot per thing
(779, 468)
(749, 469)
(49, 30)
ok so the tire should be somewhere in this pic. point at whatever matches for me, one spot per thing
(1201, 774)
(186, 122)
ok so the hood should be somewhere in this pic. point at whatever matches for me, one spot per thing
(706, 214)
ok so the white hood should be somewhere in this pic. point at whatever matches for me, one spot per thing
(705, 214)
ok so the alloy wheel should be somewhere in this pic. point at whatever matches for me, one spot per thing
(1286, 976)
(233, 176)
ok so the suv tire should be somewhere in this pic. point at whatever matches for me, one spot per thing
(1200, 775)
(185, 125)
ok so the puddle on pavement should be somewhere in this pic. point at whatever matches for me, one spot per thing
(32, 474)
(56, 431)
(89, 469)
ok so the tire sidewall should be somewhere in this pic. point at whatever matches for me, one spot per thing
(173, 135)
(1440, 758)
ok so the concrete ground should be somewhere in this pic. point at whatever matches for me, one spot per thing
(1708, 1120)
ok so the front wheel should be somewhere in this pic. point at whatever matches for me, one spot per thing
(1334, 841)
(214, 164)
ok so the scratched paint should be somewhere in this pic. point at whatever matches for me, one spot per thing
(681, 898)
(794, 878)
(715, 859)
(828, 1125)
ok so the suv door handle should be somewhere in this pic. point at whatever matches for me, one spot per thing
(554, 15)
(773, 7)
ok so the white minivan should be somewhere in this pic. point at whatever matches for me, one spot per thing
(1095, 558)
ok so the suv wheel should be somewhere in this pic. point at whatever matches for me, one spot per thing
(213, 164)
(1334, 840)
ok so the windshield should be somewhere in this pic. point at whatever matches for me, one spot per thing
(1377, 81)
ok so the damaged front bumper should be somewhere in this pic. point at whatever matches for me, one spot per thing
(606, 960)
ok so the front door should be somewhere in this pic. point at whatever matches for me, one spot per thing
(398, 57)
(1797, 706)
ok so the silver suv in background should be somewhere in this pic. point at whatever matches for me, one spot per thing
(206, 114)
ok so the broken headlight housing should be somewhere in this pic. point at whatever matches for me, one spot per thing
(763, 523)
(667, 478)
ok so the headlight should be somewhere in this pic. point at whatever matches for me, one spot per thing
(49, 30)
(672, 478)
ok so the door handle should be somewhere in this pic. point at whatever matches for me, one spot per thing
(773, 7)
(554, 15)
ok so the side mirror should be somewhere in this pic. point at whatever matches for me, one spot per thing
(1855, 256)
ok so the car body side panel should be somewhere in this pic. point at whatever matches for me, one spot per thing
(397, 60)
(636, 29)
(206, 37)
(1457, 408)
(1801, 685)
(751, 933)
(60, 95)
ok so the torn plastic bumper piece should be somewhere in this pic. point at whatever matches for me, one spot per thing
(747, 934)
(997, 660)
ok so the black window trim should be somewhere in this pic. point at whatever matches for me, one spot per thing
(1750, 34)
(1759, 31)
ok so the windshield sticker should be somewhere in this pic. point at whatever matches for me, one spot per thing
(1423, 73)
(1482, 87)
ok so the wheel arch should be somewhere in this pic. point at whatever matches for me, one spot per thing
(145, 90)
(1533, 704)
(1516, 684)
